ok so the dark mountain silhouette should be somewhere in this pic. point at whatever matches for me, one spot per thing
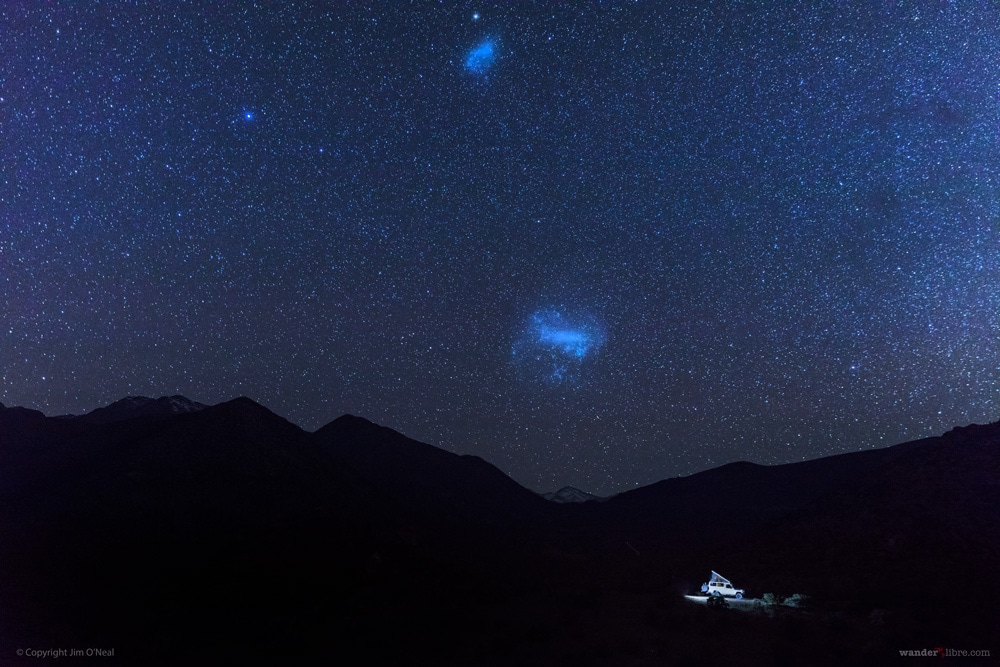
(173, 531)
(132, 407)
(909, 534)
(897, 532)
(453, 497)
(34, 445)
(569, 494)
(31, 445)
(206, 515)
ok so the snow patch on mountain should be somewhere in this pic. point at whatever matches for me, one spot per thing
(142, 406)
(569, 494)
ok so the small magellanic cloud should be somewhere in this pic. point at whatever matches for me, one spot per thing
(481, 58)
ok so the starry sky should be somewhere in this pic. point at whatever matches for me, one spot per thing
(597, 244)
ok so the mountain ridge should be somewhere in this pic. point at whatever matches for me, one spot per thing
(132, 407)
(230, 529)
(570, 494)
(141, 406)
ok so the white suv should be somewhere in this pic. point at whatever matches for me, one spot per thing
(723, 588)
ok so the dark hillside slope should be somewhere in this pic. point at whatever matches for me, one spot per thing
(732, 501)
(229, 533)
(30, 446)
(447, 496)
(918, 536)
(205, 525)
(908, 534)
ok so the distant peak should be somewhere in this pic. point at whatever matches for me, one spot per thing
(17, 412)
(247, 407)
(358, 430)
(975, 430)
(569, 494)
(142, 406)
(352, 419)
(243, 403)
(131, 400)
(177, 401)
(351, 424)
(240, 399)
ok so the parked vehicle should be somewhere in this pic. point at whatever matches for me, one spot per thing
(720, 586)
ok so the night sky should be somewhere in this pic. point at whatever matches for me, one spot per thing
(596, 245)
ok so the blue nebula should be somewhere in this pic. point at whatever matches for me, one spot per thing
(554, 347)
(481, 58)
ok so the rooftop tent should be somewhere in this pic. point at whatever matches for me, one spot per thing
(718, 579)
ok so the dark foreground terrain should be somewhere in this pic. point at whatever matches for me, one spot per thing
(175, 533)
